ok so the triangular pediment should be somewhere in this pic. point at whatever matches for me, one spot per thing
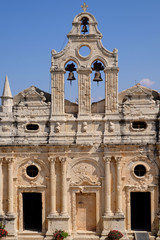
(139, 90)
(138, 95)
(31, 96)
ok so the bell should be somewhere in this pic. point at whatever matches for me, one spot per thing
(71, 77)
(84, 29)
(97, 77)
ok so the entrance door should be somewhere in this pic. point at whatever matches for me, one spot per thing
(32, 211)
(141, 211)
(86, 211)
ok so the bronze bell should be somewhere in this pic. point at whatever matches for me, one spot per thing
(97, 77)
(84, 29)
(71, 76)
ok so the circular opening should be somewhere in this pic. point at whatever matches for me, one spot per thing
(140, 170)
(32, 127)
(32, 171)
(84, 51)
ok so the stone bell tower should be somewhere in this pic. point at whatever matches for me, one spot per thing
(84, 33)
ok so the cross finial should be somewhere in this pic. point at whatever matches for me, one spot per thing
(84, 7)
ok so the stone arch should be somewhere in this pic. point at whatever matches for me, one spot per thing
(71, 58)
(151, 171)
(84, 14)
(43, 171)
(98, 58)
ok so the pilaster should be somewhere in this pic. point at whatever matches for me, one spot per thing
(64, 187)
(10, 220)
(107, 194)
(1, 189)
(57, 96)
(52, 161)
(111, 89)
(84, 91)
(118, 186)
(10, 186)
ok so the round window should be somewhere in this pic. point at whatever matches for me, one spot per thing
(32, 171)
(140, 170)
(84, 51)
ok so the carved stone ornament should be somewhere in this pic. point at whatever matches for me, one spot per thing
(141, 187)
(5, 129)
(57, 127)
(84, 127)
(87, 170)
(85, 181)
(111, 127)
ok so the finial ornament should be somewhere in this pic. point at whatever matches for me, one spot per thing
(84, 7)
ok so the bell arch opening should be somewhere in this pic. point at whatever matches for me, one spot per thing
(97, 87)
(71, 87)
(84, 25)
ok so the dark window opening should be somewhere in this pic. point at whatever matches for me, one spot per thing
(32, 127)
(139, 125)
(140, 170)
(140, 211)
(32, 171)
(32, 211)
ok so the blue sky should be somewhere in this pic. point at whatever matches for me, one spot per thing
(30, 29)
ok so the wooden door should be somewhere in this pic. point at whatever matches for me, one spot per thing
(86, 211)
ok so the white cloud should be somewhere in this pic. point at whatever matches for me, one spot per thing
(99, 98)
(147, 82)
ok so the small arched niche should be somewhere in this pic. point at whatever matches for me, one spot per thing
(97, 87)
(71, 87)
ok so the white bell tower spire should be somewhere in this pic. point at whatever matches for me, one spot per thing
(7, 99)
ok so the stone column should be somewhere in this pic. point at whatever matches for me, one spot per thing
(64, 186)
(118, 187)
(84, 91)
(1, 188)
(57, 93)
(107, 185)
(52, 186)
(111, 89)
(10, 186)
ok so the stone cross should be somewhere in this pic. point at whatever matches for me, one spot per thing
(84, 7)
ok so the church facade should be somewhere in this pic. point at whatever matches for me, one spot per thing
(86, 168)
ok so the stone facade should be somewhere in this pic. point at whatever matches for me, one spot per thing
(86, 168)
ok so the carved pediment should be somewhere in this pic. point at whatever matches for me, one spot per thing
(31, 97)
(138, 95)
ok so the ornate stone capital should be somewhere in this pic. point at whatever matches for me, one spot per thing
(9, 160)
(62, 159)
(52, 159)
(56, 70)
(107, 69)
(118, 159)
(107, 159)
(1, 161)
(84, 70)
